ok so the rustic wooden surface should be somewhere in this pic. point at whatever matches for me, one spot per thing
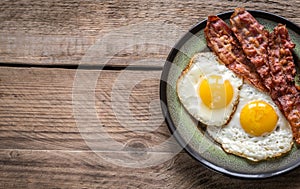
(41, 45)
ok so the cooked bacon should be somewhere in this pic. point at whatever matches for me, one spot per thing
(283, 71)
(281, 62)
(223, 43)
(271, 54)
(254, 40)
(290, 104)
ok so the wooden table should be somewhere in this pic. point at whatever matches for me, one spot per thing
(45, 46)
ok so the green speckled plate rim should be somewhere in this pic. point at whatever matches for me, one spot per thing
(165, 106)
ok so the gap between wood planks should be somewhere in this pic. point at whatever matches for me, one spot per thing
(83, 67)
(85, 151)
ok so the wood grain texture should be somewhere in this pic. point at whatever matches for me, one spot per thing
(48, 142)
(42, 147)
(61, 32)
(52, 169)
(36, 108)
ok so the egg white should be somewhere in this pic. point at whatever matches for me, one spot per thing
(201, 66)
(235, 140)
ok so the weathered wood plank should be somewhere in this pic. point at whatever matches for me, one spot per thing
(37, 111)
(57, 169)
(40, 144)
(62, 32)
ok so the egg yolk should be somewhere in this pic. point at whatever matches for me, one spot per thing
(258, 118)
(215, 93)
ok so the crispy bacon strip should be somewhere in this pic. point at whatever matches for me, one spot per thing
(281, 62)
(272, 57)
(290, 104)
(283, 70)
(254, 40)
(223, 43)
(270, 54)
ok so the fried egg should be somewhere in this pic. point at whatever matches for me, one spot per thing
(208, 90)
(257, 130)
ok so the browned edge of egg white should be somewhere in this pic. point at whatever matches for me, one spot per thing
(255, 160)
(185, 70)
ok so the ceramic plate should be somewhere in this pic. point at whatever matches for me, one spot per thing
(189, 133)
